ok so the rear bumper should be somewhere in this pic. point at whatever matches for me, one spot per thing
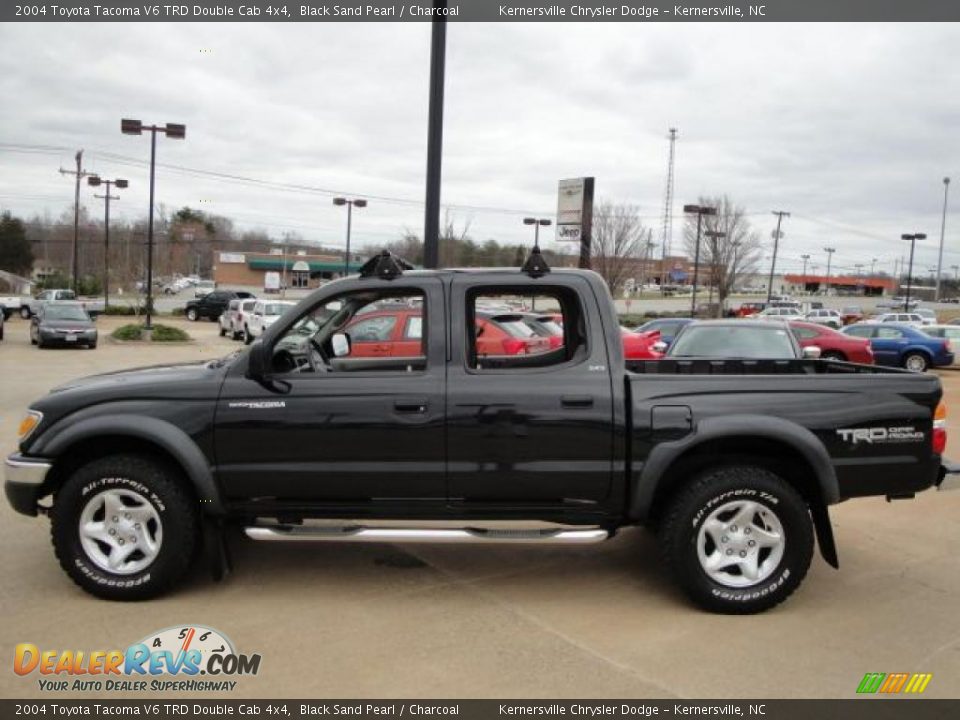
(949, 476)
(23, 482)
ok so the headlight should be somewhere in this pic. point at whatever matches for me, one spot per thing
(29, 424)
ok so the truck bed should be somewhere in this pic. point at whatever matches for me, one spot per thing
(729, 366)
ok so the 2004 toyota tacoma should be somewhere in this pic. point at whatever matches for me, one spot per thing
(384, 407)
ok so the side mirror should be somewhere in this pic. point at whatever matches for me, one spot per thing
(257, 366)
(811, 352)
(340, 342)
(660, 346)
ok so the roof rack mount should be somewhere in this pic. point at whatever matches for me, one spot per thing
(385, 266)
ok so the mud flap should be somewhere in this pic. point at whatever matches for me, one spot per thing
(215, 548)
(824, 530)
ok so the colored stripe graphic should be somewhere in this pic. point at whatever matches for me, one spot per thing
(892, 683)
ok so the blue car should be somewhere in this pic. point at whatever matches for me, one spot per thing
(903, 346)
(667, 327)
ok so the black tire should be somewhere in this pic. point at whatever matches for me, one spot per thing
(156, 484)
(92, 346)
(918, 360)
(247, 337)
(833, 355)
(192, 314)
(1, 331)
(25, 312)
(687, 512)
(223, 333)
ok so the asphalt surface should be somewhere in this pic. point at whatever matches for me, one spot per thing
(467, 621)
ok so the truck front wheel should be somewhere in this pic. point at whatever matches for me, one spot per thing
(738, 539)
(124, 527)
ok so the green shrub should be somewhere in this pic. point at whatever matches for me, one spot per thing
(127, 332)
(123, 310)
(161, 333)
(178, 311)
(166, 333)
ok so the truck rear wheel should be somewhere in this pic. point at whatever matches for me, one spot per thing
(124, 528)
(738, 539)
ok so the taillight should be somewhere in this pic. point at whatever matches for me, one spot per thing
(940, 429)
(514, 346)
(947, 346)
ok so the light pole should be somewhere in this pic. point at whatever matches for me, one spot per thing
(714, 235)
(956, 272)
(873, 266)
(700, 210)
(913, 242)
(647, 252)
(96, 181)
(776, 241)
(356, 202)
(537, 223)
(173, 131)
(826, 285)
(805, 258)
(943, 230)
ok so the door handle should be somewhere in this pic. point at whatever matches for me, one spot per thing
(411, 405)
(576, 401)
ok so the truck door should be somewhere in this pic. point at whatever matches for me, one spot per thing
(536, 426)
(343, 429)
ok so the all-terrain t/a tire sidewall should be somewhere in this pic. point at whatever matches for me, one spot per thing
(156, 483)
(691, 508)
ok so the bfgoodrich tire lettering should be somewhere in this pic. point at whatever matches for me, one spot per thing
(754, 492)
(131, 476)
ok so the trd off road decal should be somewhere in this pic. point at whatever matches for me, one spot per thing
(881, 435)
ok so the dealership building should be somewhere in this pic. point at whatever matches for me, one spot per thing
(269, 271)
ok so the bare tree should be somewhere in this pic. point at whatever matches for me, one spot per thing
(618, 241)
(725, 260)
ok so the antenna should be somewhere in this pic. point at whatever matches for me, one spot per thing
(666, 235)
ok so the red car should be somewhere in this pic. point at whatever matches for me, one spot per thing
(639, 346)
(399, 333)
(750, 308)
(833, 345)
(852, 314)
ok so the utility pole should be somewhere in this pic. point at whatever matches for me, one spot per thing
(912, 237)
(438, 54)
(96, 181)
(78, 174)
(943, 230)
(666, 234)
(829, 251)
(776, 242)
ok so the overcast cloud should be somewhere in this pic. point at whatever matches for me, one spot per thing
(851, 127)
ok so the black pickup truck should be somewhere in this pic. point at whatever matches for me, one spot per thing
(385, 407)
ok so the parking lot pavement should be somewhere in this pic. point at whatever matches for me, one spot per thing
(448, 621)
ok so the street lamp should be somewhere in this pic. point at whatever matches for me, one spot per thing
(714, 235)
(805, 258)
(173, 131)
(913, 242)
(826, 285)
(97, 181)
(537, 223)
(356, 202)
(956, 272)
(776, 242)
(700, 210)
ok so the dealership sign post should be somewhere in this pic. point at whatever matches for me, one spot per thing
(575, 214)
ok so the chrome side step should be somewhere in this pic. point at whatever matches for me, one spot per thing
(354, 533)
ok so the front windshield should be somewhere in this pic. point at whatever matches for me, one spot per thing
(65, 312)
(729, 341)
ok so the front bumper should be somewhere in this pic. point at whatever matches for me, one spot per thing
(24, 481)
(949, 476)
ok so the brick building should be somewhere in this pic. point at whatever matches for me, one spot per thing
(267, 270)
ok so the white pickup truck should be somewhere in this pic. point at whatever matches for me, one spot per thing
(27, 306)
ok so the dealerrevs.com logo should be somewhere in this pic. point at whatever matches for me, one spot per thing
(180, 658)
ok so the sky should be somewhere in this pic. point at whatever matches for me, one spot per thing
(849, 127)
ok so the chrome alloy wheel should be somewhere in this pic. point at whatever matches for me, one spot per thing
(740, 544)
(120, 531)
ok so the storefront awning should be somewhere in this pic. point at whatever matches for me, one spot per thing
(296, 263)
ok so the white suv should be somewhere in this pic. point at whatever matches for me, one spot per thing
(265, 313)
(912, 319)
